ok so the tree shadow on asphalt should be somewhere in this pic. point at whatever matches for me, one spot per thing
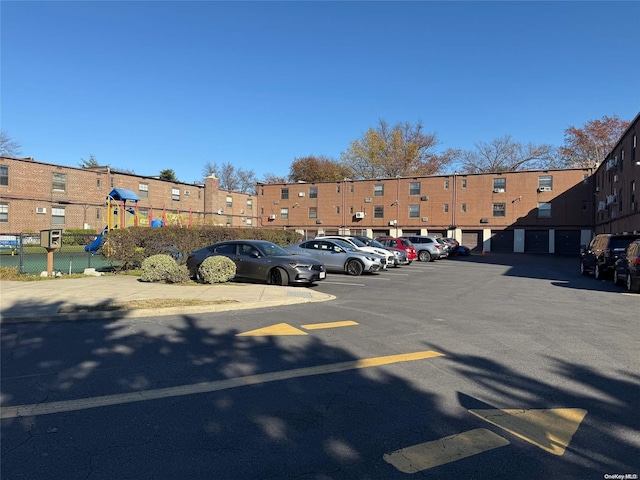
(326, 426)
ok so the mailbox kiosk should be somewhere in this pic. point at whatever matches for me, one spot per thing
(50, 239)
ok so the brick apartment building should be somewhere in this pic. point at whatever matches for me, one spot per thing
(529, 211)
(617, 185)
(35, 196)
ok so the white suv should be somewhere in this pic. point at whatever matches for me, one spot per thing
(360, 245)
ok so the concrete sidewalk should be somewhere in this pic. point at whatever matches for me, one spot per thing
(39, 301)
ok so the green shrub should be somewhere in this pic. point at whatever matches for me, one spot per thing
(179, 275)
(158, 268)
(216, 269)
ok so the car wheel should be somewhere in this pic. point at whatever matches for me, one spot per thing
(278, 276)
(354, 267)
(597, 272)
(198, 276)
(424, 256)
(631, 287)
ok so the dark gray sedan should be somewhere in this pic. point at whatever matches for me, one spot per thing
(261, 260)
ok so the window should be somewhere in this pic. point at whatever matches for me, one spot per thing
(57, 216)
(284, 194)
(351, 210)
(313, 192)
(97, 183)
(499, 209)
(544, 210)
(175, 194)
(313, 212)
(229, 201)
(378, 211)
(98, 213)
(284, 213)
(249, 204)
(464, 183)
(351, 188)
(545, 183)
(4, 212)
(463, 208)
(499, 185)
(59, 181)
(143, 190)
(414, 211)
(446, 184)
(229, 221)
(446, 207)
(338, 188)
(378, 190)
(113, 182)
(414, 188)
(4, 175)
(337, 208)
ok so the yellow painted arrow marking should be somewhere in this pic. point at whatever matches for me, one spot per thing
(278, 329)
(448, 449)
(550, 429)
(317, 326)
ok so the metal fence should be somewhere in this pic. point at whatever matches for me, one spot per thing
(23, 251)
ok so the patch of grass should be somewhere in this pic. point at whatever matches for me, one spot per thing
(151, 303)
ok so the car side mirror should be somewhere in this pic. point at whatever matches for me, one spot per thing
(255, 254)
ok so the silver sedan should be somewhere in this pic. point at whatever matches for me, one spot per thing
(338, 256)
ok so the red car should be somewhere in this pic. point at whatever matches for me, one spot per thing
(402, 244)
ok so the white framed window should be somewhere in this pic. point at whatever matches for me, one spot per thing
(378, 211)
(544, 210)
(59, 181)
(58, 216)
(4, 212)
(414, 211)
(313, 212)
(313, 192)
(499, 209)
(414, 188)
(175, 194)
(143, 190)
(499, 185)
(378, 190)
(284, 213)
(249, 204)
(229, 201)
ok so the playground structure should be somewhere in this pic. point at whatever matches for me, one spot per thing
(123, 215)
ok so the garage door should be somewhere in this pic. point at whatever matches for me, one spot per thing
(536, 241)
(502, 241)
(567, 242)
(471, 240)
(436, 233)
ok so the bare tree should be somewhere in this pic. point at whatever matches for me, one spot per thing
(401, 150)
(231, 178)
(272, 178)
(8, 146)
(505, 155)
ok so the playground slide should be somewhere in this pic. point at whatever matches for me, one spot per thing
(94, 246)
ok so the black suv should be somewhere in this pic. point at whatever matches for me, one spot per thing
(603, 251)
(627, 267)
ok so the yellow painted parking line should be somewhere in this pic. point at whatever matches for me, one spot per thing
(318, 326)
(207, 387)
(278, 329)
(448, 449)
(550, 429)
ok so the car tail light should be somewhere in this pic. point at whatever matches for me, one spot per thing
(437, 246)
(637, 261)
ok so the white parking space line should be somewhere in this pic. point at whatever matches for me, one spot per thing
(325, 282)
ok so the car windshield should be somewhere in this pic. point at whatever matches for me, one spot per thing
(358, 243)
(346, 246)
(374, 243)
(273, 250)
(406, 243)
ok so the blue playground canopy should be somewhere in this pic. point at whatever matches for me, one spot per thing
(122, 194)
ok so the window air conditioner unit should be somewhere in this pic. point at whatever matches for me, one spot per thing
(272, 217)
(187, 193)
(425, 219)
(41, 210)
(367, 200)
(241, 212)
(424, 198)
(544, 189)
(392, 223)
(301, 194)
(484, 220)
(359, 214)
(498, 190)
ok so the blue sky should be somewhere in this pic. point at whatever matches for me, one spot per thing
(148, 86)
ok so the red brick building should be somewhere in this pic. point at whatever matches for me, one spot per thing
(617, 185)
(36, 196)
(530, 211)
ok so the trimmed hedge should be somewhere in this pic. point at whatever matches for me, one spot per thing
(127, 248)
(217, 269)
(163, 268)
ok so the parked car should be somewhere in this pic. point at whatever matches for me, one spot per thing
(400, 254)
(599, 257)
(357, 244)
(261, 260)
(401, 243)
(338, 256)
(464, 251)
(627, 267)
(427, 247)
(453, 245)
